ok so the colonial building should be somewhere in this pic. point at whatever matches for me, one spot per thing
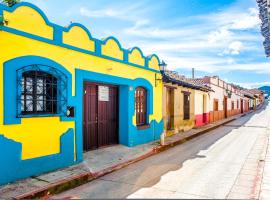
(259, 97)
(64, 92)
(185, 103)
(226, 100)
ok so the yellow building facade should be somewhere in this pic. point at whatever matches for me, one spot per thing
(185, 103)
(60, 86)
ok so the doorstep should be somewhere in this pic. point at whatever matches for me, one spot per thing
(96, 164)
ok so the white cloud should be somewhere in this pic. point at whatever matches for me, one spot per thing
(247, 20)
(207, 42)
(99, 13)
(219, 35)
(121, 11)
(234, 48)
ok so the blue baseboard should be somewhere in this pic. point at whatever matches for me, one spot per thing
(12, 168)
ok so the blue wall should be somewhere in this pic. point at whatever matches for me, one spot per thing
(129, 135)
(13, 168)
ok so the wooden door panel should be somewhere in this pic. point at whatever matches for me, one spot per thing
(108, 119)
(90, 117)
(100, 124)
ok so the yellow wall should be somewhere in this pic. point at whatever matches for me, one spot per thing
(136, 57)
(179, 123)
(78, 37)
(28, 20)
(202, 100)
(112, 49)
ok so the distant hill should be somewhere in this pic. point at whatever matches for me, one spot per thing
(265, 89)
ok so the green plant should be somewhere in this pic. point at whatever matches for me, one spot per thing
(229, 93)
(2, 20)
(10, 3)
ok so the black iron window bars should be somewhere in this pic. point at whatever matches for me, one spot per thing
(41, 92)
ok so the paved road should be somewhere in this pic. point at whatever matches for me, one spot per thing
(224, 163)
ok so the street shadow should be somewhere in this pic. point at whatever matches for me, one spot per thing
(149, 172)
(191, 151)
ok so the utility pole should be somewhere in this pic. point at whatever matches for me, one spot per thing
(193, 73)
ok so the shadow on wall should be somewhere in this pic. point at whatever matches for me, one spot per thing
(13, 168)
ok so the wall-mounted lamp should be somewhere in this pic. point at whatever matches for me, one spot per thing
(162, 66)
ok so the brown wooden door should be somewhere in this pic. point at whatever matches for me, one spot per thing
(186, 106)
(225, 107)
(242, 106)
(170, 108)
(100, 122)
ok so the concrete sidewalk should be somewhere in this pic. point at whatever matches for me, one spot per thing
(96, 164)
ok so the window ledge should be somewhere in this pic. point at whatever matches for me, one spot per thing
(142, 127)
(39, 115)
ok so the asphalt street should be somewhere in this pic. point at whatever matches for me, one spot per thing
(220, 164)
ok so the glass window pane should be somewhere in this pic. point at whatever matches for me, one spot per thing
(29, 85)
(22, 85)
(40, 103)
(22, 103)
(29, 103)
(40, 86)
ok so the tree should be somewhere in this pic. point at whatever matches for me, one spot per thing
(2, 21)
(10, 3)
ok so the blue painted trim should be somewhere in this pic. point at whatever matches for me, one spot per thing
(13, 168)
(28, 35)
(78, 25)
(105, 40)
(11, 90)
(58, 37)
(128, 133)
(98, 44)
(126, 54)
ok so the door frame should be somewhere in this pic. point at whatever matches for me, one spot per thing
(96, 104)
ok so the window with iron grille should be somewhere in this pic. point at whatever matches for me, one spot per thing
(140, 106)
(41, 92)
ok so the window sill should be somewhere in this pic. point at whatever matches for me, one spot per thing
(39, 115)
(143, 127)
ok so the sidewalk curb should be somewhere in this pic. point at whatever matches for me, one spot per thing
(75, 181)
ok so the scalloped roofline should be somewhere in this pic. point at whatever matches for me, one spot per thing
(67, 29)
(72, 25)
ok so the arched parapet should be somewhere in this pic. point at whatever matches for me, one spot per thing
(112, 48)
(135, 56)
(79, 36)
(153, 62)
(28, 18)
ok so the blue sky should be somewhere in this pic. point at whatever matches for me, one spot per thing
(216, 37)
